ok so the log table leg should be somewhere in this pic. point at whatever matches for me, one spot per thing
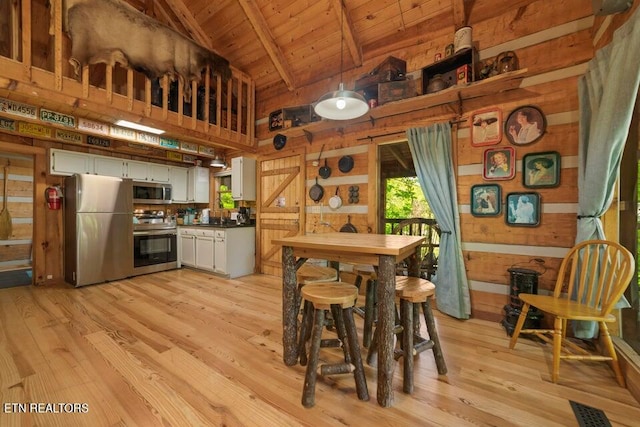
(385, 328)
(289, 303)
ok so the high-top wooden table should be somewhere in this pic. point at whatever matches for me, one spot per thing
(381, 250)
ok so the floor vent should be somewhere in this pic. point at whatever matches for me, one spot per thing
(588, 416)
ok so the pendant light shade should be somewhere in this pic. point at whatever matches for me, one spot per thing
(341, 104)
(218, 163)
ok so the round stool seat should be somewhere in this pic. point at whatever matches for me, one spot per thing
(309, 273)
(414, 289)
(323, 295)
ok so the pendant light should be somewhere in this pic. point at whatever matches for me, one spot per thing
(341, 104)
(217, 162)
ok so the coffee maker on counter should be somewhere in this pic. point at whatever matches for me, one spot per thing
(243, 216)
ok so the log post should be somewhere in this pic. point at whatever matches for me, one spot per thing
(289, 315)
(386, 323)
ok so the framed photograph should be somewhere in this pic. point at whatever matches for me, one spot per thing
(486, 200)
(499, 163)
(523, 209)
(541, 169)
(486, 127)
(525, 125)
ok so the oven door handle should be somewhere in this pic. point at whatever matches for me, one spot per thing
(156, 233)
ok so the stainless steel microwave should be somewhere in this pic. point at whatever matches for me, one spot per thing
(151, 193)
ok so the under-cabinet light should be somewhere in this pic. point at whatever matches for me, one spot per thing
(136, 126)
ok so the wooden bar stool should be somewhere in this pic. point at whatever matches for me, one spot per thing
(340, 298)
(413, 293)
(310, 273)
(368, 272)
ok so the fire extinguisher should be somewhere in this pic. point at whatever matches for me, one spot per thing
(54, 197)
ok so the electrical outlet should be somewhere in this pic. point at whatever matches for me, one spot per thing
(49, 276)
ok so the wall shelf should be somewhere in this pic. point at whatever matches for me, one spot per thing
(452, 95)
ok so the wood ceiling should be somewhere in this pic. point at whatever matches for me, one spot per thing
(288, 44)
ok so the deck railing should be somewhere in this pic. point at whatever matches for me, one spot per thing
(218, 112)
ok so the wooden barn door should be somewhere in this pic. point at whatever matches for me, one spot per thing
(281, 206)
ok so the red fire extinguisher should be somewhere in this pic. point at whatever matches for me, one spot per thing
(54, 197)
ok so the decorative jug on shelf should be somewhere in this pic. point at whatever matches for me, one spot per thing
(507, 61)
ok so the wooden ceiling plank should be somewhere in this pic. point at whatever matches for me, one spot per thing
(264, 35)
(349, 33)
(189, 21)
(162, 11)
(459, 14)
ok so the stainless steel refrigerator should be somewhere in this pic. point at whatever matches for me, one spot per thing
(98, 229)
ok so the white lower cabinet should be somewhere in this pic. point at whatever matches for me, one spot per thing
(221, 252)
(187, 248)
(205, 250)
(225, 251)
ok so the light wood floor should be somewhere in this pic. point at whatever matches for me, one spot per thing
(184, 348)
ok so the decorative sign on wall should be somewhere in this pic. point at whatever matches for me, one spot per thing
(174, 156)
(67, 136)
(34, 129)
(148, 138)
(100, 142)
(57, 118)
(209, 151)
(123, 133)
(93, 127)
(188, 158)
(169, 143)
(18, 109)
(7, 124)
(187, 146)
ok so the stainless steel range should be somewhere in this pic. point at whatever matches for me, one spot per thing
(154, 242)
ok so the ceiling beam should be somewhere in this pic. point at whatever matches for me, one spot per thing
(187, 19)
(354, 47)
(261, 28)
(158, 9)
(459, 15)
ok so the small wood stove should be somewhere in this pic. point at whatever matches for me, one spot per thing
(522, 280)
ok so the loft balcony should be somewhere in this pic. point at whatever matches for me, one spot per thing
(35, 69)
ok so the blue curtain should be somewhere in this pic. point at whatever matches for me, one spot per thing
(431, 151)
(607, 94)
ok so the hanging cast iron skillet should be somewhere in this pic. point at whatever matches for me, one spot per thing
(348, 227)
(279, 141)
(316, 192)
(345, 164)
(325, 171)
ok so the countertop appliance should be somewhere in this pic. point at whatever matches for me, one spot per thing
(243, 216)
(98, 233)
(154, 242)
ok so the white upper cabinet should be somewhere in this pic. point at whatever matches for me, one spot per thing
(243, 178)
(178, 180)
(158, 173)
(198, 185)
(69, 162)
(138, 171)
(108, 166)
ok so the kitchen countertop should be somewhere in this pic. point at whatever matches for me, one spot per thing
(232, 225)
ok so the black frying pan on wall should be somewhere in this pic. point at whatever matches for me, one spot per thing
(316, 192)
(325, 171)
(345, 164)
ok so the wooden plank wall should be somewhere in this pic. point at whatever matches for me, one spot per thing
(554, 41)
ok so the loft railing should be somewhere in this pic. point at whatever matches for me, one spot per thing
(218, 112)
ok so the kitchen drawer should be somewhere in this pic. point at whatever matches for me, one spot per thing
(220, 234)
